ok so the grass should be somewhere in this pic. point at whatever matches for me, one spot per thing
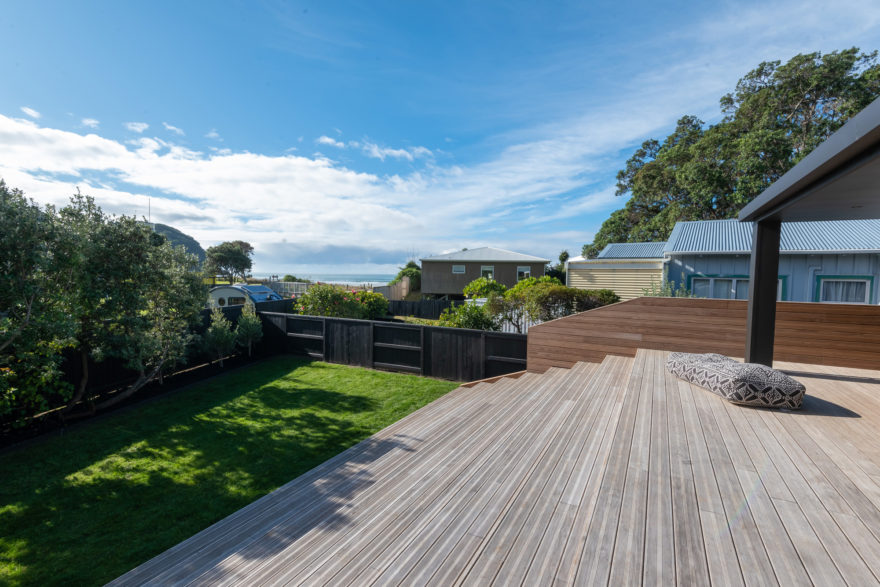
(86, 506)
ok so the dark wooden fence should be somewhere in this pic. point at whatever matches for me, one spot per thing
(448, 353)
(430, 309)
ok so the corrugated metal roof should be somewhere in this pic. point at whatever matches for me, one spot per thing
(732, 236)
(486, 254)
(632, 251)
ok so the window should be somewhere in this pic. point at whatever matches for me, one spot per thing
(844, 290)
(221, 302)
(236, 301)
(726, 288)
(458, 268)
(487, 271)
(523, 272)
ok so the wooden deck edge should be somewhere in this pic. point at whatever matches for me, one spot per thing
(514, 375)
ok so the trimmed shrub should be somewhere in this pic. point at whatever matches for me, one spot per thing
(469, 316)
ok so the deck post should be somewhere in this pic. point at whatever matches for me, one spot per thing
(763, 278)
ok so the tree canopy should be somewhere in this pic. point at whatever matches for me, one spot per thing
(775, 116)
(231, 259)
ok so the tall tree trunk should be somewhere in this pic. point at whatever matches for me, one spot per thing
(83, 381)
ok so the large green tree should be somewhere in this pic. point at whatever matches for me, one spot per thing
(231, 259)
(135, 296)
(774, 117)
(37, 269)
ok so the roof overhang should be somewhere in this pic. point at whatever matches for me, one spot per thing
(839, 180)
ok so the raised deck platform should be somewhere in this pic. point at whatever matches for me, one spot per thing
(602, 474)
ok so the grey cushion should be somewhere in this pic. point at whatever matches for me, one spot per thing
(739, 383)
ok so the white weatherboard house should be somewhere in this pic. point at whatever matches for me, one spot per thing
(820, 261)
(626, 268)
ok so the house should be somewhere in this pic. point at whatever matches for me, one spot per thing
(626, 268)
(820, 261)
(239, 294)
(448, 274)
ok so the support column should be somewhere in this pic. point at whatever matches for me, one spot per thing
(763, 278)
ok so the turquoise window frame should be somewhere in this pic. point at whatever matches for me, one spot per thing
(783, 296)
(817, 290)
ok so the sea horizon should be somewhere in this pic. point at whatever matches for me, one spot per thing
(340, 278)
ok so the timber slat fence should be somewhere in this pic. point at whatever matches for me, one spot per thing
(842, 335)
(449, 353)
(430, 309)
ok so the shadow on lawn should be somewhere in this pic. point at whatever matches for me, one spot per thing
(184, 462)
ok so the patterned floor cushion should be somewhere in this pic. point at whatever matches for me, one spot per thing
(747, 384)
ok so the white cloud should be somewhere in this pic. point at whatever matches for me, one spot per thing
(534, 190)
(136, 126)
(30, 112)
(325, 140)
(174, 129)
(90, 122)
(376, 152)
(213, 134)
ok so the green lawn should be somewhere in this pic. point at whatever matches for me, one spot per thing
(85, 507)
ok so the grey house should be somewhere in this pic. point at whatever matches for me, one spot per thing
(833, 261)
(448, 274)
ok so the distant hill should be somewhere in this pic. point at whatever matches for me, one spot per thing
(176, 238)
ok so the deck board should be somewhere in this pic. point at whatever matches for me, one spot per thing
(616, 473)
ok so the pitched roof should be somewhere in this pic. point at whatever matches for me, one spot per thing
(732, 236)
(486, 254)
(632, 251)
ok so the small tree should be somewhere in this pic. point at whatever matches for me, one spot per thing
(414, 272)
(231, 259)
(482, 287)
(219, 337)
(249, 329)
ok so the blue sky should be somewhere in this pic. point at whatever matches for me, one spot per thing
(349, 136)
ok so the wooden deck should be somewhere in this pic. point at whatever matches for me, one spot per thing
(602, 474)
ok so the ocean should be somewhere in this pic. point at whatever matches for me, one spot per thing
(347, 278)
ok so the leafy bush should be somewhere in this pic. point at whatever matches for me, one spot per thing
(219, 338)
(373, 305)
(294, 279)
(482, 288)
(337, 302)
(469, 316)
(414, 272)
(530, 282)
(249, 329)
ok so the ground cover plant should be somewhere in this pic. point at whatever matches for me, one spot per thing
(84, 507)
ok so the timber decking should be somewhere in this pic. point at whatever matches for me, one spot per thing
(846, 335)
(603, 474)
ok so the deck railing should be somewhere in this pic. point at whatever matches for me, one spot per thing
(844, 335)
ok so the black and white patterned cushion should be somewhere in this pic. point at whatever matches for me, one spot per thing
(747, 384)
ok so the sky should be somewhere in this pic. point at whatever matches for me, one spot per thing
(348, 137)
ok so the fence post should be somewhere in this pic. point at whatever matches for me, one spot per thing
(372, 343)
(482, 356)
(421, 350)
(323, 339)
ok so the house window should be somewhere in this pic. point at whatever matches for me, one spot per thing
(458, 269)
(726, 288)
(487, 271)
(844, 290)
(523, 272)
